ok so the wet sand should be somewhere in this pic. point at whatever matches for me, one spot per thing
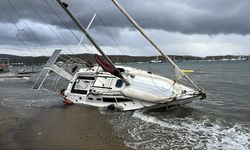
(8, 75)
(53, 127)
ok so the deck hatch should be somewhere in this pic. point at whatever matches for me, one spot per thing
(119, 83)
(123, 100)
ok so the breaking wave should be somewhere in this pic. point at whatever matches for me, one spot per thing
(146, 131)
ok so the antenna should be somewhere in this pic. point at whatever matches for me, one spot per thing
(90, 23)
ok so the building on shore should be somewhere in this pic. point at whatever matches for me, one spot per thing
(4, 65)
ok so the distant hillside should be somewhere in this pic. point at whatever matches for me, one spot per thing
(229, 57)
(7, 56)
(28, 60)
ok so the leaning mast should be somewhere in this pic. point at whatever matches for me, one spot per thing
(77, 22)
(138, 27)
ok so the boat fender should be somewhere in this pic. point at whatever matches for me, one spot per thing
(62, 92)
(118, 108)
(111, 107)
(203, 95)
(114, 107)
(67, 102)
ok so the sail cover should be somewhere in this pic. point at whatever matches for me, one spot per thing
(151, 88)
(107, 67)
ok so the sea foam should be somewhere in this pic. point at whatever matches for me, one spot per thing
(188, 133)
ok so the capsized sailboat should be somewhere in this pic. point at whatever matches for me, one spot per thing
(119, 87)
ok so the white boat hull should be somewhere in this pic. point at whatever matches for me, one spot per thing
(105, 90)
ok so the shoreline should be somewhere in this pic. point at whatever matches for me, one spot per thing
(56, 127)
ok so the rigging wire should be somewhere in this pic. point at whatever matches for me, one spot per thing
(25, 23)
(61, 20)
(65, 24)
(50, 27)
(77, 60)
(70, 59)
(105, 26)
(18, 29)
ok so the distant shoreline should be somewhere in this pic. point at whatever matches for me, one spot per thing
(29, 60)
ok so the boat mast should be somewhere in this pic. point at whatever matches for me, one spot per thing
(77, 22)
(137, 26)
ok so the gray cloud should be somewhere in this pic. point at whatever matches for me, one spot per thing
(189, 16)
(34, 22)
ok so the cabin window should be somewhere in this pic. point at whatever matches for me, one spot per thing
(86, 78)
(119, 83)
(84, 92)
(79, 87)
(123, 100)
(108, 99)
(90, 98)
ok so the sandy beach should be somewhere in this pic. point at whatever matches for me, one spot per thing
(50, 125)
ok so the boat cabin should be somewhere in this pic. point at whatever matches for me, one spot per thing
(95, 87)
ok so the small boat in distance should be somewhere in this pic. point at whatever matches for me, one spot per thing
(157, 60)
(116, 87)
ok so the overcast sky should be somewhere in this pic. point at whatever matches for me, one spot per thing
(180, 27)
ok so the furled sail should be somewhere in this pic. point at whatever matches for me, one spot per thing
(152, 88)
(105, 66)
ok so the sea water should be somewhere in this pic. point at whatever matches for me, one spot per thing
(221, 121)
